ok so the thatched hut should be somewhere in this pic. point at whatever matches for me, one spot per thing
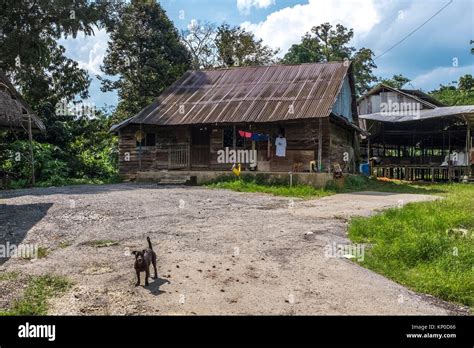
(14, 112)
(16, 115)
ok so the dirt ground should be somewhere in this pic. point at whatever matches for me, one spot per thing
(219, 252)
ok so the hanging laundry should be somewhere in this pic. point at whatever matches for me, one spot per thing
(260, 137)
(280, 144)
(245, 134)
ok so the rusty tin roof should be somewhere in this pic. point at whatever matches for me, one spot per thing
(247, 94)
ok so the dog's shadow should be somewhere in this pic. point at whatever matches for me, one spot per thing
(155, 284)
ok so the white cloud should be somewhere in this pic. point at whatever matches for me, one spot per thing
(285, 27)
(89, 51)
(97, 46)
(441, 75)
(244, 6)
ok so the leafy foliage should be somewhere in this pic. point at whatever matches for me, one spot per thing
(462, 94)
(144, 53)
(237, 47)
(326, 43)
(397, 81)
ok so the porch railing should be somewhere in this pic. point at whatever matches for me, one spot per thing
(178, 156)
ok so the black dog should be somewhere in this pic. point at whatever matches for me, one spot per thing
(143, 259)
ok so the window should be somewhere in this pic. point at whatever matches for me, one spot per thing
(228, 138)
(149, 140)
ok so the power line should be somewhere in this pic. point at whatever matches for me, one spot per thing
(414, 31)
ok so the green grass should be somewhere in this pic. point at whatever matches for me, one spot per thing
(300, 191)
(418, 245)
(101, 243)
(64, 245)
(8, 276)
(279, 187)
(37, 293)
(355, 183)
(42, 252)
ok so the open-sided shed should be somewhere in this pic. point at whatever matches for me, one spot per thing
(412, 136)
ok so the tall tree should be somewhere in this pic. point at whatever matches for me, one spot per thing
(200, 40)
(325, 43)
(397, 81)
(31, 56)
(144, 53)
(237, 47)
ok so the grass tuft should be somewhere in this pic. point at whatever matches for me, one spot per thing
(35, 298)
(8, 276)
(101, 243)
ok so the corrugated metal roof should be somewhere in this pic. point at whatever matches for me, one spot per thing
(466, 110)
(247, 94)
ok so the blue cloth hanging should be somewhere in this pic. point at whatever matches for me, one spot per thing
(259, 137)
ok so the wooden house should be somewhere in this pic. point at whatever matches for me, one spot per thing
(312, 106)
(415, 137)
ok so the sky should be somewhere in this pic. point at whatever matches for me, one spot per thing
(437, 53)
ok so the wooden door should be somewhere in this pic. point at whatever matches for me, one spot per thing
(200, 146)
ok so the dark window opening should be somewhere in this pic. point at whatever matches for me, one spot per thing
(149, 140)
(228, 139)
(281, 131)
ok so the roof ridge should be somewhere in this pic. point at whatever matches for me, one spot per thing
(270, 66)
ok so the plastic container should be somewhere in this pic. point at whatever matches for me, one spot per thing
(364, 169)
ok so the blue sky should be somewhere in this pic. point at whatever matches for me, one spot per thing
(437, 53)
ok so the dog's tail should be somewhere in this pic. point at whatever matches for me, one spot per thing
(149, 243)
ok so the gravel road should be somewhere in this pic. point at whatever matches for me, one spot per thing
(219, 252)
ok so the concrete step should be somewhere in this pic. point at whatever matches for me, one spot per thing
(165, 178)
(173, 181)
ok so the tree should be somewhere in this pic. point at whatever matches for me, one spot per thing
(325, 43)
(144, 53)
(36, 63)
(462, 94)
(237, 47)
(30, 55)
(200, 41)
(466, 83)
(397, 81)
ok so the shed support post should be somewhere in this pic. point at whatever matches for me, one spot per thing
(32, 158)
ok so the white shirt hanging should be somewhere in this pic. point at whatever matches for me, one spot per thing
(280, 144)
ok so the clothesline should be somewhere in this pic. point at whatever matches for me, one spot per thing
(254, 136)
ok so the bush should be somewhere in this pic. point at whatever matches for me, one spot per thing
(47, 161)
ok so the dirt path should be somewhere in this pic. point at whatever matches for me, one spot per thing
(219, 252)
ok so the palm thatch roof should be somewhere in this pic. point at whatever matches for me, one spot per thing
(14, 111)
